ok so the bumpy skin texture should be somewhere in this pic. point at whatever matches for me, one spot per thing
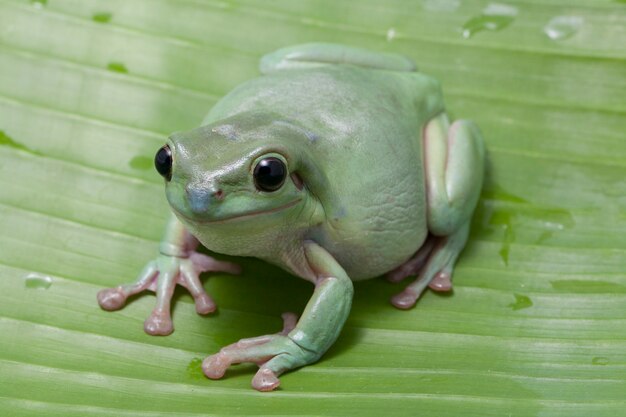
(377, 182)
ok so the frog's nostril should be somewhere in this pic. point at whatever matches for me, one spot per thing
(201, 196)
(198, 198)
(163, 162)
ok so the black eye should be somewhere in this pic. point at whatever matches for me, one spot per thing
(163, 162)
(269, 174)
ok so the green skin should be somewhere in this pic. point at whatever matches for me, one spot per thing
(378, 182)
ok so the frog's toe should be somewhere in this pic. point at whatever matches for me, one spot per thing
(265, 380)
(215, 366)
(158, 324)
(441, 282)
(205, 304)
(406, 299)
(111, 299)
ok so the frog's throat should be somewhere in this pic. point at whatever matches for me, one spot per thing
(242, 216)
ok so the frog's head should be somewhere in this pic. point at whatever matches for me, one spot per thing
(244, 170)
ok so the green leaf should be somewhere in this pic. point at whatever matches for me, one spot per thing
(537, 322)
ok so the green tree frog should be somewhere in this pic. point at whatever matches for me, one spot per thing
(338, 164)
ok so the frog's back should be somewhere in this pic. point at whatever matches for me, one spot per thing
(364, 131)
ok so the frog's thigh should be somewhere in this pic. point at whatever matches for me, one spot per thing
(453, 160)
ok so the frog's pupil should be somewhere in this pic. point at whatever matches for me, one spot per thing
(163, 162)
(269, 174)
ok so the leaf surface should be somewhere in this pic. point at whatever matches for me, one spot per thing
(536, 325)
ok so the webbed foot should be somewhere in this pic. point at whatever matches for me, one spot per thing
(274, 354)
(161, 276)
(436, 271)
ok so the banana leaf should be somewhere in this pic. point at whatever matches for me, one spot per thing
(536, 324)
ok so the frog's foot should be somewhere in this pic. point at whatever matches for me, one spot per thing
(161, 276)
(437, 271)
(414, 265)
(274, 354)
(318, 328)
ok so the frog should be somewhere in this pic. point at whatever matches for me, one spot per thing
(337, 164)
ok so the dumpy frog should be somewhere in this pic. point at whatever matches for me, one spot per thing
(338, 164)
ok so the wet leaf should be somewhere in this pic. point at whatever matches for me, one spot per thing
(88, 94)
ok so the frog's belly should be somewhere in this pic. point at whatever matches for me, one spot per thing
(373, 239)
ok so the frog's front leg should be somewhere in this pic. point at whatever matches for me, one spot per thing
(177, 263)
(318, 328)
(454, 167)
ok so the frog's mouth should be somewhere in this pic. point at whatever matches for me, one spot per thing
(241, 216)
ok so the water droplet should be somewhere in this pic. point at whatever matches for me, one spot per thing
(117, 67)
(391, 33)
(194, 369)
(446, 6)
(521, 302)
(38, 281)
(600, 360)
(563, 27)
(495, 16)
(39, 4)
(103, 17)
(142, 163)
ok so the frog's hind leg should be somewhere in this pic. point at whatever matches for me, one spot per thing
(437, 271)
(453, 161)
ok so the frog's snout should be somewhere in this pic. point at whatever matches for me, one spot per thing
(200, 197)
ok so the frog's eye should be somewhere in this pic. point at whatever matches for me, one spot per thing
(269, 174)
(163, 162)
